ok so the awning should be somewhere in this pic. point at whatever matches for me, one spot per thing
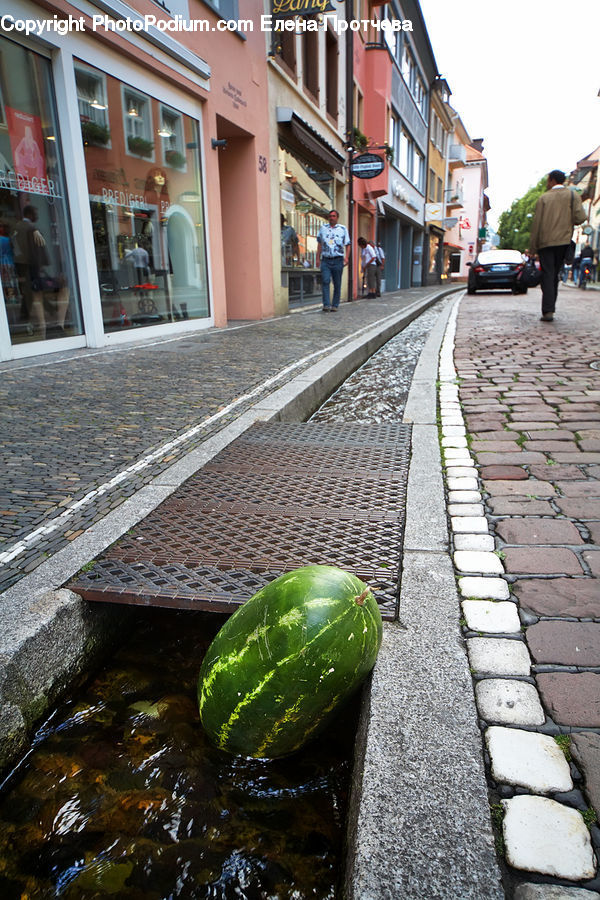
(453, 246)
(300, 132)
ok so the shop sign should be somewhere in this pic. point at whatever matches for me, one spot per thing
(285, 9)
(433, 212)
(367, 165)
(304, 206)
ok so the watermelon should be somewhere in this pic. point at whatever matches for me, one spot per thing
(286, 659)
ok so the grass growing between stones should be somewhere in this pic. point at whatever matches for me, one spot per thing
(564, 742)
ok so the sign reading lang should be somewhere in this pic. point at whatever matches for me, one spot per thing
(285, 9)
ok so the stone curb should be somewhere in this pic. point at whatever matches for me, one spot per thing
(419, 816)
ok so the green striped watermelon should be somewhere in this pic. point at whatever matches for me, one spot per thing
(286, 659)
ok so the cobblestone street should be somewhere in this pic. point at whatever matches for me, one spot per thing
(530, 396)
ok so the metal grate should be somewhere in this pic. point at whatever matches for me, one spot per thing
(279, 497)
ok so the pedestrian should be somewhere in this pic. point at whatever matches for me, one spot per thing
(368, 260)
(575, 268)
(586, 257)
(556, 212)
(333, 252)
(380, 266)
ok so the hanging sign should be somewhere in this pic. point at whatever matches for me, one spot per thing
(285, 9)
(367, 165)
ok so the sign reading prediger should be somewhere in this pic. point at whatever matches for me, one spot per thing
(284, 9)
(367, 165)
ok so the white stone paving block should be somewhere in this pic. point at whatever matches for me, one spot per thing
(468, 471)
(541, 835)
(509, 702)
(465, 509)
(473, 542)
(454, 441)
(453, 430)
(464, 497)
(469, 524)
(492, 616)
(478, 561)
(498, 656)
(526, 759)
(460, 454)
(452, 419)
(462, 484)
(483, 588)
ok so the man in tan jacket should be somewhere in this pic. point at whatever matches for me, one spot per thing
(556, 212)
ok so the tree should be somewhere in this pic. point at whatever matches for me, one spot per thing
(514, 224)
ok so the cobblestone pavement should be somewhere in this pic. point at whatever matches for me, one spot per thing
(521, 441)
(81, 432)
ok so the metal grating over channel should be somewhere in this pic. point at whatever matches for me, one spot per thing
(278, 497)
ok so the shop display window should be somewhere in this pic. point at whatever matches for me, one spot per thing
(146, 204)
(306, 197)
(37, 271)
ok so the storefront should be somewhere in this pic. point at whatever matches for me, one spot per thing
(307, 190)
(102, 211)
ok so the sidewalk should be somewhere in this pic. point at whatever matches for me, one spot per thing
(526, 538)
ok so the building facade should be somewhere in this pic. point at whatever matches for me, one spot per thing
(307, 99)
(133, 175)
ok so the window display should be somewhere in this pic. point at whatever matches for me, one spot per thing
(36, 260)
(143, 171)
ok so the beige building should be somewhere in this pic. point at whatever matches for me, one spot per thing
(307, 99)
(440, 128)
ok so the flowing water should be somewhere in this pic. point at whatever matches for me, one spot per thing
(123, 796)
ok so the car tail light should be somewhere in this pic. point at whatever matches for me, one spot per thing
(479, 269)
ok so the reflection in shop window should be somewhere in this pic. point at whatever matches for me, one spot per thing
(147, 218)
(137, 115)
(36, 260)
(171, 133)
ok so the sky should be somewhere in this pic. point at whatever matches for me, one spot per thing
(525, 77)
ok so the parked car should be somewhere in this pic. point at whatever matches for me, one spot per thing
(496, 269)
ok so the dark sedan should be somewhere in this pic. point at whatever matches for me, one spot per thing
(496, 269)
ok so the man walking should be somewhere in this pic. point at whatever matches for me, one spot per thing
(556, 212)
(333, 251)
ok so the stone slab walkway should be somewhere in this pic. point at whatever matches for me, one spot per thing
(520, 401)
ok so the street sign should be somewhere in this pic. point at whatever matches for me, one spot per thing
(367, 165)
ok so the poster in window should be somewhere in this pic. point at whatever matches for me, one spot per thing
(27, 145)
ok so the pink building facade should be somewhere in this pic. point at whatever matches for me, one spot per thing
(134, 174)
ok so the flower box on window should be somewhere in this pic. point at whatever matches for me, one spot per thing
(140, 146)
(93, 133)
(175, 159)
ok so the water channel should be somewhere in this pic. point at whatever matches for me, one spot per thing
(123, 796)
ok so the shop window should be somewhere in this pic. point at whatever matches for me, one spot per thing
(137, 116)
(147, 219)
(307, 194)
(310, 62)
(331, 62)
(37, 270)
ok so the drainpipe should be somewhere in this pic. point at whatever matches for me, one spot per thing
(350, 133)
